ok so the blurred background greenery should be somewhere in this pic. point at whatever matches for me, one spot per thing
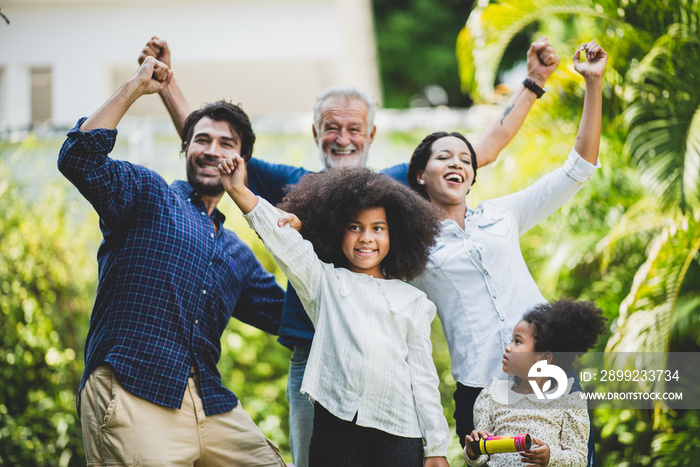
(628, 241)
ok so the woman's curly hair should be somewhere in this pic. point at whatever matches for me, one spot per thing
(326, 202)
(567, 328)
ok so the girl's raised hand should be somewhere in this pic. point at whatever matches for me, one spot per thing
(596, 60)
(536, 456)
(232, 172)
(289, 218)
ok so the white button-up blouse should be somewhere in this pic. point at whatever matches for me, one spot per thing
(478, 279)
(371, 354)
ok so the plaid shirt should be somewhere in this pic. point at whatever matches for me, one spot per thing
(168, 281)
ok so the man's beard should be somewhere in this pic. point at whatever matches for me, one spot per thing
(338, 162)
(210, 187)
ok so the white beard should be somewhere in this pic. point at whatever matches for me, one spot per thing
(337, 162)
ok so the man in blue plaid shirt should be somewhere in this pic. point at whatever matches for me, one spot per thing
(170, 277)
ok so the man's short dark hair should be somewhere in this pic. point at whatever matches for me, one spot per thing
(222, 111)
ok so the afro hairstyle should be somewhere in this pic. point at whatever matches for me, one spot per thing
(566, 327)
(326, 202)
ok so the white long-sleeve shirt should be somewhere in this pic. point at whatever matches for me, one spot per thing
(371, 354)
(478, 279)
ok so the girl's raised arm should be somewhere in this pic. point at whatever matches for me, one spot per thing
(294, 255)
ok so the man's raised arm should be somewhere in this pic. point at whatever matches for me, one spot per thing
(172, 96)
(152, 76)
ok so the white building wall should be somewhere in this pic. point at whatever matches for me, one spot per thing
(15, 98)
(270, 55)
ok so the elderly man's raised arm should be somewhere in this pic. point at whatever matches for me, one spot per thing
(172, 96)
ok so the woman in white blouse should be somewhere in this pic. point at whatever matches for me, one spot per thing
(476, 275)
(370, 371)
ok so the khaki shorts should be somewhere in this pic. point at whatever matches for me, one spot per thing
(120, 429)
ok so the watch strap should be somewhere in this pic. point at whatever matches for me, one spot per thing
(532, 86)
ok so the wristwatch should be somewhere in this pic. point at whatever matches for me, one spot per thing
(532, 86)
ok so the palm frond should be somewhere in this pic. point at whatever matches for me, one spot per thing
(491, 27)
(664, 117)
(646, 320)
(643, 217)
(646, 315)
(648, 302)
(679, 449)
(691, 169)
(465, 58)
(686, 324)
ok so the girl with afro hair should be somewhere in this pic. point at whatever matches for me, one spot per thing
(370, 371)
(549, 334)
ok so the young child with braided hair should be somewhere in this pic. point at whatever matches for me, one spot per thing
(553, 333)
(370, 371)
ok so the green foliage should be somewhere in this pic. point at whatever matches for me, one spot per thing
(629, 439)
(623, 437)
(664, 116)
(46, 287)
(415, 43)
(646, 315)
(681, 448)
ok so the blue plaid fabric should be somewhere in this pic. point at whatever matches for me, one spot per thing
(168, 281)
